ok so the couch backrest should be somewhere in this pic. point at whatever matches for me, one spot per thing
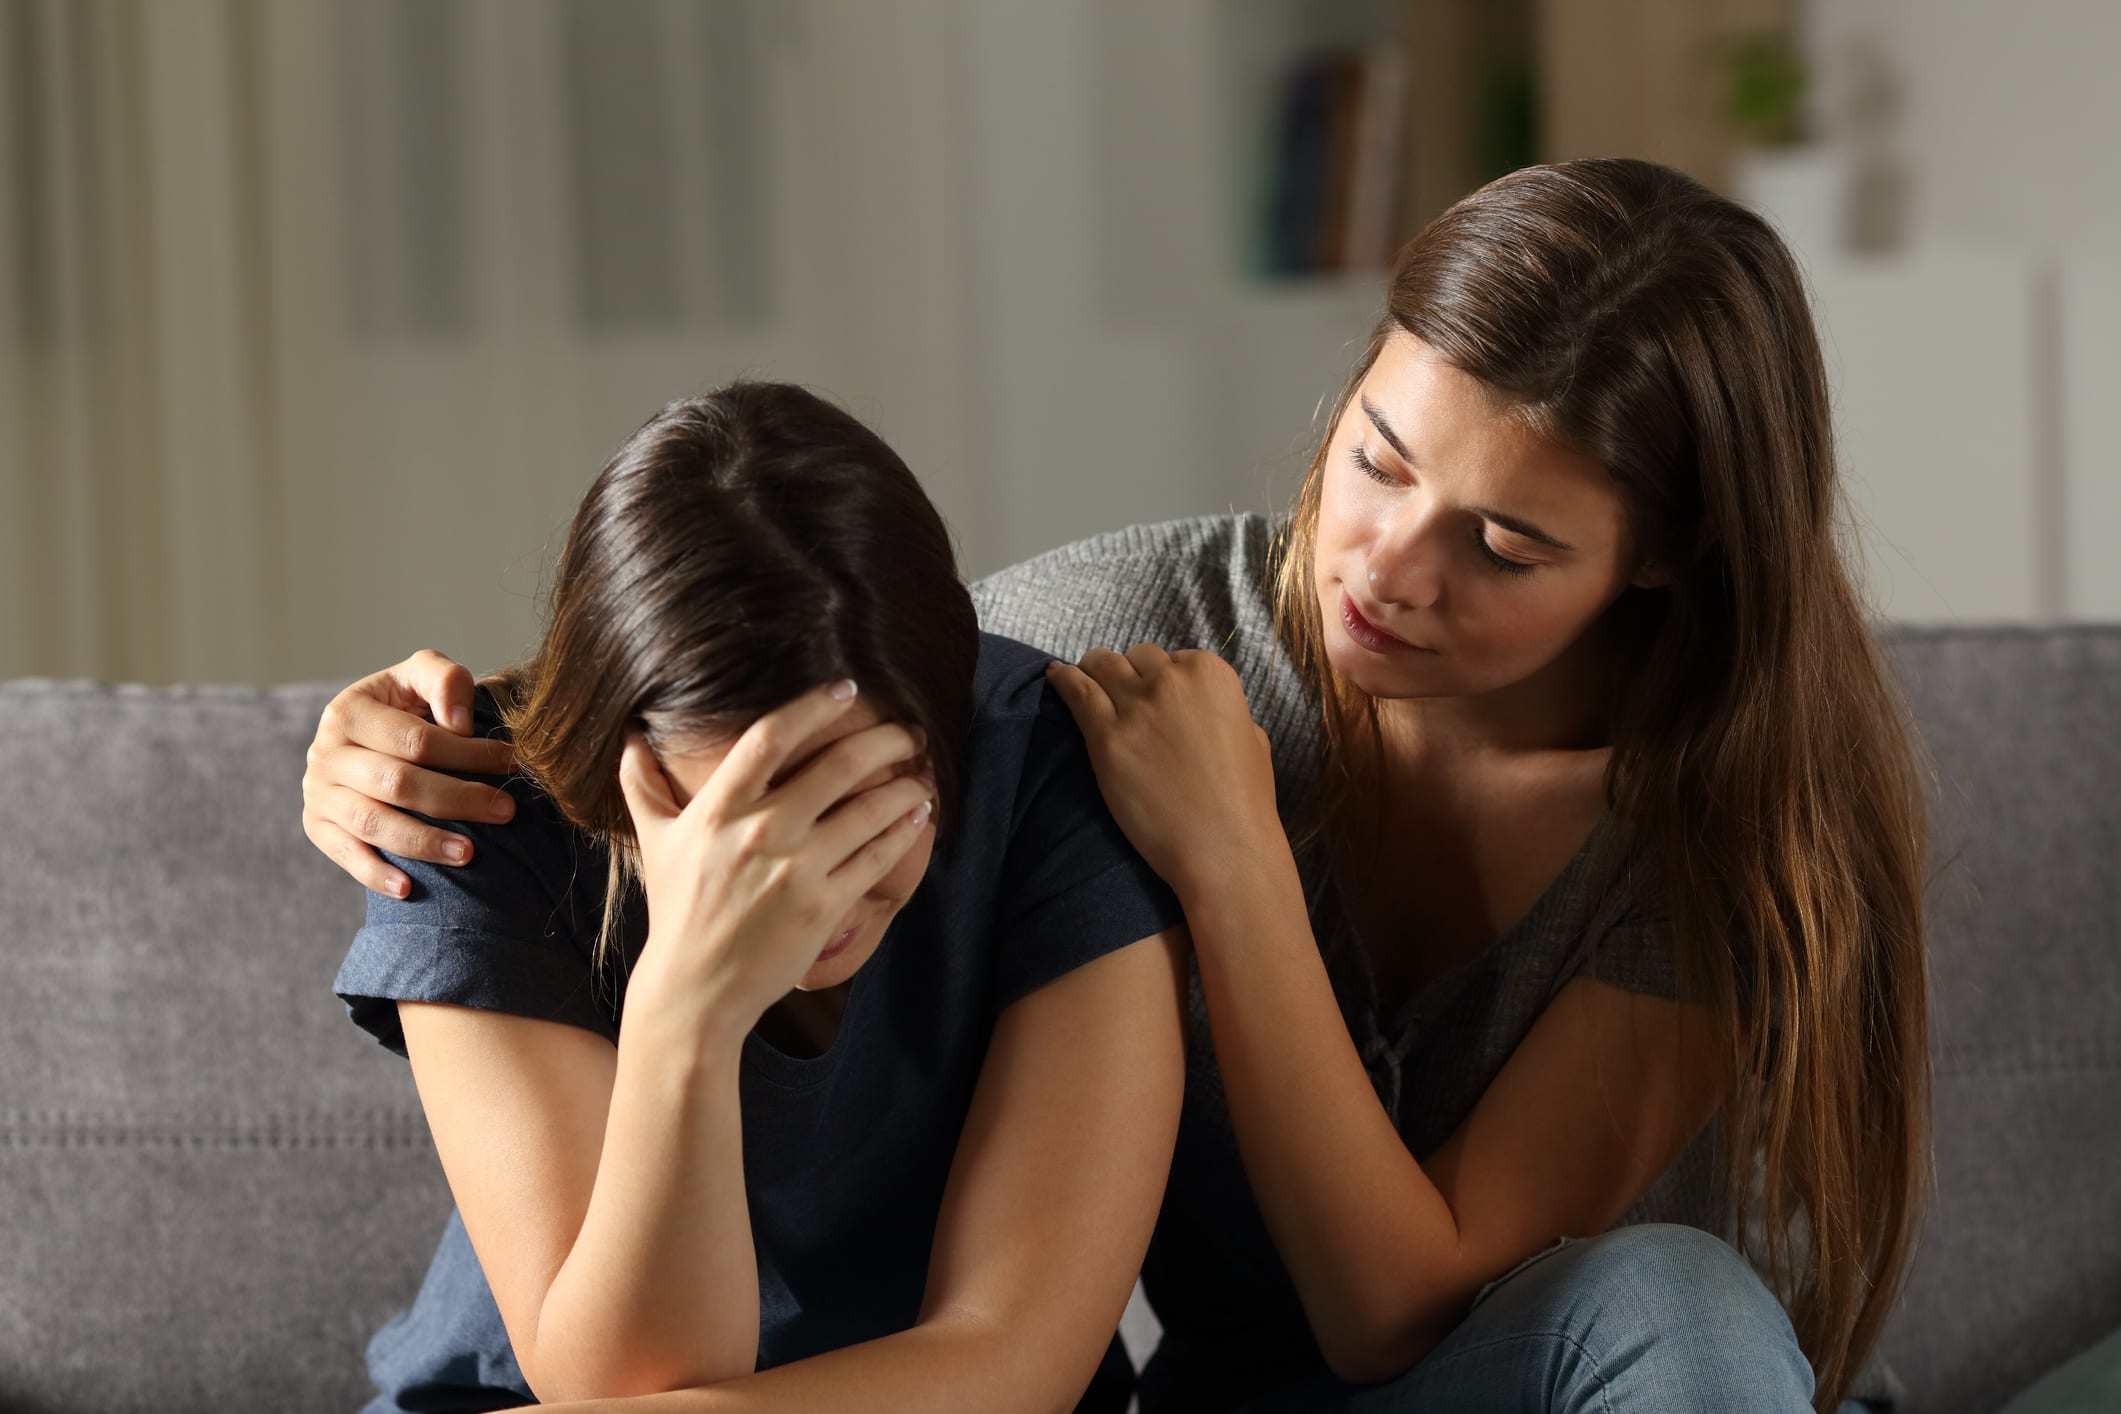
(2021, 1263)
(213, 1189)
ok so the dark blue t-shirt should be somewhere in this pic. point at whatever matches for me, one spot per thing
(846, 1153)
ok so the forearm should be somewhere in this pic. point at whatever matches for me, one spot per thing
(660, 1289)
(1369, 1241)
(958, 1363)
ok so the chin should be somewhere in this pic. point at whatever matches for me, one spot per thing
(1382, 677)
(837, 969)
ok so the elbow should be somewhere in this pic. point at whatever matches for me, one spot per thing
(1366, 1363)
(570, 1353)
(1372, 1351)
(1374, 1362)
(555, 1377)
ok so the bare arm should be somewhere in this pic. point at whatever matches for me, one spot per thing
(1052, 1196)
(1387, 1253)
(603, 1190)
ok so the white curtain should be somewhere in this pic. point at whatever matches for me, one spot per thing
(316, 316)
(319, 314)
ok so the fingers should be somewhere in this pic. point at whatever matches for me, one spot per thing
(359, 717)
(355, 858)
(1107, 667)
(388, 780)
(1084, 696)
(1147, 659)
(861, 819)
(835, 772)
(649, 798)
(1122, 675)
(443, 685)
(371, 823)
(768, 744)
(872, 861)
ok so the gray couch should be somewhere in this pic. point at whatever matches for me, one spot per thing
(212, 1188)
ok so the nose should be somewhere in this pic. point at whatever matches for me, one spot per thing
(1401, 563)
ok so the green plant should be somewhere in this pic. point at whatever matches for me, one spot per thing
(1768, 79)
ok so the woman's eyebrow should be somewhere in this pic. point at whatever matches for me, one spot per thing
(1520, 527)
(1384, 429)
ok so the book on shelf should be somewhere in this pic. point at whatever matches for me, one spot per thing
(1334, 170)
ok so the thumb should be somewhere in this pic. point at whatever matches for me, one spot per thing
(647, 790)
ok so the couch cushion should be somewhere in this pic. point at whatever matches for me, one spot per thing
(2021, 1262)
(214, 1187)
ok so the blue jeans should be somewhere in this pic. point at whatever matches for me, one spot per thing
(1655, 1319)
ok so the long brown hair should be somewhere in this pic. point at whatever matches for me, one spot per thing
(1760, 755)
(739, 549)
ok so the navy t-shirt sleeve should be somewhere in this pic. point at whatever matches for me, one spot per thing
(511, 931)
(1072, 888)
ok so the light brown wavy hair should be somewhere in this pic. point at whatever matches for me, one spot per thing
(741, 548)
(1761, 757)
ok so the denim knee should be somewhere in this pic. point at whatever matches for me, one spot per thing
(1654, 1319)
(1650, 1318)
(1666, 1312)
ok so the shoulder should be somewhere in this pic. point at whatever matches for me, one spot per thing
(534, 872)
(1009, 680)
(1624, 934)
(1203, 582)
(1185, 583)
(1021, 731)
(1038, 873)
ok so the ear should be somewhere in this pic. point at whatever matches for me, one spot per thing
(1650, 575)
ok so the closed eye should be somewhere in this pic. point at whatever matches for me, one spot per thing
(1370, 468)
(1498, 560)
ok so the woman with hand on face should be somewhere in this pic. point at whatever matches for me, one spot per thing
(1549, 839)
(811, 1038)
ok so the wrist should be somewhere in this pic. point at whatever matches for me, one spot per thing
(690, 1016)
(1235, 872)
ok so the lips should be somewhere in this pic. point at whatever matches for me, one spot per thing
(839, 944)
(1367, 634)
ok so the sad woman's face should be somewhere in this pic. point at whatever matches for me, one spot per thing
(1459, 552)
(854, 940)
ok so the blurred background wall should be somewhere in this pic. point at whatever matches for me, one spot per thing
(316, 316)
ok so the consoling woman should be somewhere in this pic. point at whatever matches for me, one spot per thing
(1548, 833)
(812, 1032)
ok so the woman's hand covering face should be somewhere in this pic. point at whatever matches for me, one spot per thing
(759, 870)
(380, 750)
(1183, 767)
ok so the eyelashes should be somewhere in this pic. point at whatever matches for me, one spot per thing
(1377, 474)
(1369, 468)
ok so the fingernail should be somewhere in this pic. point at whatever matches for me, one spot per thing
(922, 811)
(503, 808)
(456, 851)
(398, 885)
(843, 689)
(460, 718)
